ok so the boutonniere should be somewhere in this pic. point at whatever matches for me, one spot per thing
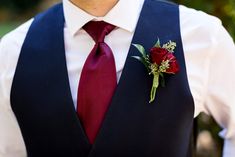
(158, 61)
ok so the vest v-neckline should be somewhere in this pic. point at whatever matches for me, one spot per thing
(129, 109)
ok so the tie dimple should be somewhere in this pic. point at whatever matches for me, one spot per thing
(101, 30)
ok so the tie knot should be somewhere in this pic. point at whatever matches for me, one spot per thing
(98, 30)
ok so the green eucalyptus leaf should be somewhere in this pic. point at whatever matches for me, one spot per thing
(141, 49)
(158, 43)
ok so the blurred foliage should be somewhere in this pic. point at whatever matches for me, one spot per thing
(7, 27)
(223, 9)
(15, 12)
(19, 6)
(207, 123)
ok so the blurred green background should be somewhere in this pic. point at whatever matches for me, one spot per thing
(15, 12)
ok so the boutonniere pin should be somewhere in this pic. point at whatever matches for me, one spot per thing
(158, 61)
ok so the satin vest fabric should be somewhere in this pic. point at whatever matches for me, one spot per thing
(42, 102)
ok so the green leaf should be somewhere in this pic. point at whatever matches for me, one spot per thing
(158, 43)
(142, 60)
(138, 58)
(141, 49)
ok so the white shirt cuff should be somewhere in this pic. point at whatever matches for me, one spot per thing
(229, 148)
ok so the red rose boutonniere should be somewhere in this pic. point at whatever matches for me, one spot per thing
(159, 61)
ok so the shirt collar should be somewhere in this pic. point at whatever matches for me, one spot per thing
(124, 14)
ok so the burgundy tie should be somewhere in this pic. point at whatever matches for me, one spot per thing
(98, 80)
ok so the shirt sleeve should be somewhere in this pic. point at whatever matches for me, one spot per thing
(11, 140)
(210, 62)
(219, 99)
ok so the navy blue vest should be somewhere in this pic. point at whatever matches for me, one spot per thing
(42, 102)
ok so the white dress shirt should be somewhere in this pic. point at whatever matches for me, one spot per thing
(209, 55)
